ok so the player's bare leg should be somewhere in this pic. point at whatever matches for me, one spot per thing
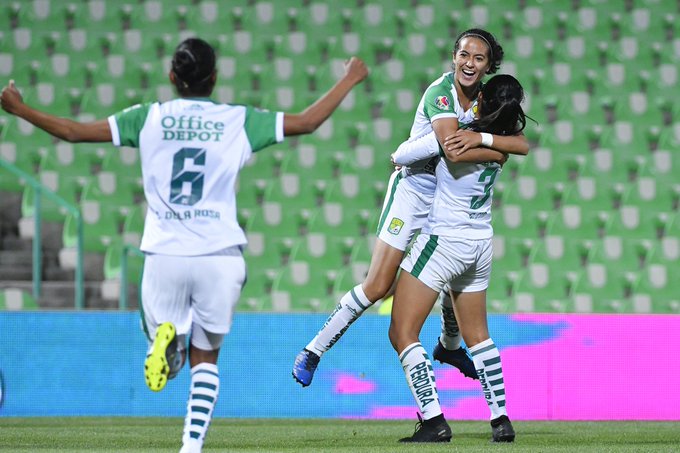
(471, 312)
(413, 302)
(448, 348)
(382, 271)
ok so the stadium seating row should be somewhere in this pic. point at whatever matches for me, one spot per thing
(597, 195)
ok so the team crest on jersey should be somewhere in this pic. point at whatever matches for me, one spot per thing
(395, 226)
(442, 103)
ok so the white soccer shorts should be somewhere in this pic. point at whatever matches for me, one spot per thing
(192, 290)
(403, 214)
(443, 261)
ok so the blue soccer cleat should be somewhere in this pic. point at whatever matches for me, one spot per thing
(156, 365)
(305, 366)
(457, 358)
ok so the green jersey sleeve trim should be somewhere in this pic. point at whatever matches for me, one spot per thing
(439, 101)
(129, 123)
(261, 128)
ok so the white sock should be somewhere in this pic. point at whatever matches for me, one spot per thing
(420, 377)
(487, 361)
(450, 336)
(351, 306)
(205, 387)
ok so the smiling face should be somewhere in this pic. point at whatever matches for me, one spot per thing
(471, 61)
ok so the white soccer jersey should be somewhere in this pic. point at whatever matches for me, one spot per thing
(462, 200)
(191, 152)
(440, 100)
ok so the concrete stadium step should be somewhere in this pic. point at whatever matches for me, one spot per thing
(19, 258)
(12, 242)
(61, 295)
(12, 272)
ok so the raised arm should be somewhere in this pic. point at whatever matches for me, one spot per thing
(314, 115)
(72, 131)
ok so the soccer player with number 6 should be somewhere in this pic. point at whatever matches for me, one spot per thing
(192, 150)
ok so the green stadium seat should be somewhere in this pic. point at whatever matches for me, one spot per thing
(591, 194)
(639, 110)
(98, 232)
(113, 259)
(566, 137)
(535, 193)
(65, 188)
(541, 284)
(647, 24)
(360, 258)
(114, 197)
(338, 218)
(124, 163)
(578, 48)
(660, 79)
(294, 191)
(568, 253)
(256, 293)
(14, 299)
(312, 157)
(653, 193)
(279, 221)
(327, 252)
(511, 254)
(604, 289)
(578, 223)
(302, 286)
(512, 221)
(268, 163)
(634, 222)
(133, 225)
(502, 289)
(625, 138)
(579, 107)
(251, 193)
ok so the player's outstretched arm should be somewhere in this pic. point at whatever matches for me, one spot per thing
(72, 131)
(415, 149)
(314, 115)
(465, 140)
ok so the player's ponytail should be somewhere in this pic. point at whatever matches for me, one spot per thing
(501, 111)
(194, 65)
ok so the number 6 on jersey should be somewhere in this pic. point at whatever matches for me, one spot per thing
(186, 187)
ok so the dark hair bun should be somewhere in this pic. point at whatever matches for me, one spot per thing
(193, 61)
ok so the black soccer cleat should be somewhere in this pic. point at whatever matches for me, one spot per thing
(502, 430)
(434, 430)
(457, 358)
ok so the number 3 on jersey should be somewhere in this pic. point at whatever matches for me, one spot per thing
(186, 186)
(490, 174)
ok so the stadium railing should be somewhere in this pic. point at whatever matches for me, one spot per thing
(39, 191)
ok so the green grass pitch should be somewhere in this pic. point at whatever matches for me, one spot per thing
(100, 434)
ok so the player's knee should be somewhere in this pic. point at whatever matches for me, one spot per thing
(376, 288)
(401, 338)
(392, 333)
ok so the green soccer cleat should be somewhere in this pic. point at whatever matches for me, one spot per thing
(156, 366)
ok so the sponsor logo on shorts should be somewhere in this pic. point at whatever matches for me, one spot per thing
(395, 226)
(442, 103)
